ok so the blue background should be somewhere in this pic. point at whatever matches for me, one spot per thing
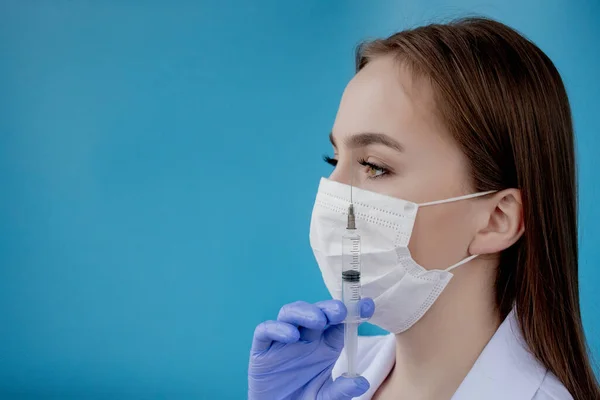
(158, 164)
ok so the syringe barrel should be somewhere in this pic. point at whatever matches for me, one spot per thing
(351, 298)
(351, 273)
(351, 251)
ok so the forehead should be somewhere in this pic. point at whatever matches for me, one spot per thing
(385, 96)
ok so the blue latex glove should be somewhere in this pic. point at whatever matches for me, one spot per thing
(292, 358)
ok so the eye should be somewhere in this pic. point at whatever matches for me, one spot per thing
(331, 161)
(373, 170)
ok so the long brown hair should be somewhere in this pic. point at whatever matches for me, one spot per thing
(506, 105)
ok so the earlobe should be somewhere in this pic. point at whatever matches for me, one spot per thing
(502, 223)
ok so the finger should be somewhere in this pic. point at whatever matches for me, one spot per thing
(366, 307)
(303, 314)
(346, 388)
(334, 310)
(273, 331)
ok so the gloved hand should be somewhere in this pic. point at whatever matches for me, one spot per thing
(292, 358)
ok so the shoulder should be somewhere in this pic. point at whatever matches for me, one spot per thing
(507, 369)
(552, 389)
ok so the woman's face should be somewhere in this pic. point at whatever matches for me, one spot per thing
(388, 139)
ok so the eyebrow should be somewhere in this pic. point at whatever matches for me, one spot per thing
(366, 138)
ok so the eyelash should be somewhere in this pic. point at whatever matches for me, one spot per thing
(329, 160)
(384, 171)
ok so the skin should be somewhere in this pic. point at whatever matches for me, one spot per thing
(435, 355)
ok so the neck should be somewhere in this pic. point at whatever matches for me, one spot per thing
(436, 354)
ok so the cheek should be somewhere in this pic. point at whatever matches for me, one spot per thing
(441, 235)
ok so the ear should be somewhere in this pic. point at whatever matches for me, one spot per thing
(502, 223)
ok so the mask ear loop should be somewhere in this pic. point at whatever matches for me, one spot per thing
(453, 199)
(458, 264)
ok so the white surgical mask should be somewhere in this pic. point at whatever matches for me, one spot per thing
(402, 289)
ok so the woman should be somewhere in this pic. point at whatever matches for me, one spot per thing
(458, 141)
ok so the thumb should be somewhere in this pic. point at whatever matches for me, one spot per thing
(346, 388)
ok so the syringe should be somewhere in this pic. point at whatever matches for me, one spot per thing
(351, 289)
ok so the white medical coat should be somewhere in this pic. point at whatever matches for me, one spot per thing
(505, 370)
